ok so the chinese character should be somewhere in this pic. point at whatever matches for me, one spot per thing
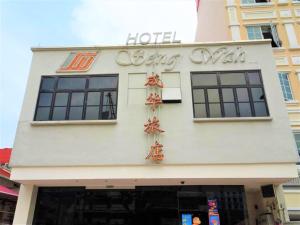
(156, 152)
(153, 127)
(154, 101)
(154, 81)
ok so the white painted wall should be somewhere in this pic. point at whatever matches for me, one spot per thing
(212, 21)
(185, 142)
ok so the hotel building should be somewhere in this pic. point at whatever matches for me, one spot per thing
(153, 134)
(278, 20)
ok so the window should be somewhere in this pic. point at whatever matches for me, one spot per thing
(228, 94)
(297, 139)
(285, 86)
(264, 32)
(77, 98)
(255, 1)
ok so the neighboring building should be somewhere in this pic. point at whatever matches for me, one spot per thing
(278, 20)
(88, 148)
(8, 189)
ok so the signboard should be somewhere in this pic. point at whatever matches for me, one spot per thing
(213, 214)
(186, 219)
(78, 62)
(152, 38)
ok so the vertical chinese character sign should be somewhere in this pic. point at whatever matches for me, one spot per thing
(152, 126)
(213, 214)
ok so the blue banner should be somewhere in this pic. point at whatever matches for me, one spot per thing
(186, 219)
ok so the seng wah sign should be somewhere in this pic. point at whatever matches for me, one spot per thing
(78, 62)
(152, 126)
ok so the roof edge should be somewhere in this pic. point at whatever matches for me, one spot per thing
(107, 47)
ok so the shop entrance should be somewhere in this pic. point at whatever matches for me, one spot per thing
(147, 205)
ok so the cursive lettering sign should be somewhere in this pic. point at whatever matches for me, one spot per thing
(222, 54)
(139, 57)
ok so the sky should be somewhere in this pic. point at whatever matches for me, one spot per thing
(31, 23)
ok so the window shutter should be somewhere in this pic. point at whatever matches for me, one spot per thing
(275, 35)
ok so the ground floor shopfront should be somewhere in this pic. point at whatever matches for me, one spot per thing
(154, 195)
(147, 205)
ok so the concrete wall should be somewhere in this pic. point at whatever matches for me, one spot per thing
(185, 141)
(212, 22)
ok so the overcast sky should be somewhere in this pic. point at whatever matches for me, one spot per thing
(27, 23)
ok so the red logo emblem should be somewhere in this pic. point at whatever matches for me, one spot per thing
(78, 62)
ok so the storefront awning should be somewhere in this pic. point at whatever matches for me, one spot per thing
(4, 173)
(7, 191)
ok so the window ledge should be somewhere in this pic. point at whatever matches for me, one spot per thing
(73, 122)
(292, 102)
(278, 49)
(232, 119)
(253, 5)
(295, 47)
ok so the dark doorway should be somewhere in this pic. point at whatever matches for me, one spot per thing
(155, 205)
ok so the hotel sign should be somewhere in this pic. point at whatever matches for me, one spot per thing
(152, 38)
(78, 62)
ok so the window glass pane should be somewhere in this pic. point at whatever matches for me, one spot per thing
(200, 111)
(93, 98)
(198, 95)
(109, 112)
(42, 113)
(103, 82)
(110, 98)
(61, 99)
(254, 78)
(59, 113)
(245, 109)
(229, 109)
(71, 83)
(77, 99)
(204, 79)
(242, 94)
(213, 95)
(254, 32)
(48, 83)
(228, 95)
(232, 78)
(215, 110)
(45, 99)
(285, 86)
(75, 113)
(297, 139)
(260, 109)
(257, 94)
(92, 113)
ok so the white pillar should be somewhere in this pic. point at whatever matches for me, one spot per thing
(281, 206)
(290, 31)
(234, 24)
(25, 205)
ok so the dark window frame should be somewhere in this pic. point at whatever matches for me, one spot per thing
(86, 90)
(219, 86)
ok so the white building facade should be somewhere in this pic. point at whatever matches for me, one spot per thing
(83, 145)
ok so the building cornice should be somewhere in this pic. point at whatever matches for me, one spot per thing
(111, 47)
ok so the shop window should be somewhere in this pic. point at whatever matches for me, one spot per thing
(147, 205)
(228, 94)
(77, 98)
(285, 86)
(265, 32)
